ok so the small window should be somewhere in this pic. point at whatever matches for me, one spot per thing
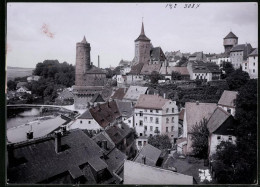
(167, 120)
(253, 70)
(157, 111)
(144, 142)
(139, 143)
(141, 134)
(145, 119)
(129, 121)
(141, 123)
(145, 110)
(151, 128)
(229, 110)
(151, 111)
(151, 119)
(166, 129)
(172, 128)
(157, 120)
(172, 119)
(172, 110)
(218, 137)
(230, 138)
(145, 128)
(141, 113)
(254, 63)
(150, 135)
(167, 110)
(80, 121)
(89, 122)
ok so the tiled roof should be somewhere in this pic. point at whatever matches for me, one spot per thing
(43, 162)
(149, 68)
(240, 47)
(119, 93)
(170, 69)
(97, 98)
(151, 102)
(150, 153)
(231, 35)
(86, 115)
(137, 173)
(195, 112)
(134, 92)
(227, 98)
(201, 67)
(136, 69)
(125, 108)
(106, 113)
(66, 94)
(118, 132)
(218, 117)
(157, 54)
(254, 52)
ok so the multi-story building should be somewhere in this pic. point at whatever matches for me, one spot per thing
(251, 65)
(229, 42)
(89, 79)
(156, 115)
(239, 54)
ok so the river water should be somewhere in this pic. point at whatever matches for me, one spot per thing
(20, 116)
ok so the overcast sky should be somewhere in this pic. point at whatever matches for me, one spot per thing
(40, 31)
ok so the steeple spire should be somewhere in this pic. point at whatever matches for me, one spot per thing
(142, 30)
(84, 40)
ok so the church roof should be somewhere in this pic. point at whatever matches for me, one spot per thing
(231, 35)
(142, 36)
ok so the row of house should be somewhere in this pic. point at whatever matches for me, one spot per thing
(219, 118)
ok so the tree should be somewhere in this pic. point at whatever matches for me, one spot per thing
(11, 85)
(228, 68)
(199, 137)
(154, 77)
(160, 141)
(176, 75)
(182, 61)
(237, 79)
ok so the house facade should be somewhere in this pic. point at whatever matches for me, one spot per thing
(239, 54)
(251, 65)
(156, 115)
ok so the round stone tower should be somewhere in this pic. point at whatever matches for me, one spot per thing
(230, 41)
(142, 48)
(82, 61)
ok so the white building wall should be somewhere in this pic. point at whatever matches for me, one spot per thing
(236, 59)
(207, 76)
(253, 67)
(89, 124)
(232, 109)
(129, 121)
(217, 139)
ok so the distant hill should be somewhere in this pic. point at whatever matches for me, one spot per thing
(13, 72)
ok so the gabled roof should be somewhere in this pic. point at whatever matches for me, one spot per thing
(118, 132)
(43, 162)
(157, 54)
(227, 98)
(150, 153)
(97, 98)
(170, 69)
(254, 52)
(142, 36)
(136, 69)
(231, 35)
(149, 68)
(119, 93)
(195, 112)
(218, 117)
(134, 92)
(151, 102)
(246, 48)
(86, 115)
(106, 113)
(125, 108)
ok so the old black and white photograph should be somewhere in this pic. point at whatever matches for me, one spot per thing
(131, 93)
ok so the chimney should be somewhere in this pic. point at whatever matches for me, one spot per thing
(144, 159)
(98, 62)
(57, 141)
(63, 129)
(104, 144)
(29, 135)
(197, 102)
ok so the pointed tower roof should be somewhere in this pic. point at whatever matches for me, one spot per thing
(84, 40)
(231, 35)
(142, 36)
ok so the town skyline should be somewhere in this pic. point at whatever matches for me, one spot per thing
(33, 38)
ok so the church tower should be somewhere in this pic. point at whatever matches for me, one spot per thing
(142, 48)
(230, 41)
(82, 61)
